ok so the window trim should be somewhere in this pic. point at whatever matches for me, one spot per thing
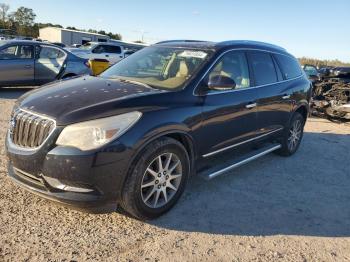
(19, 45)
(195, 89)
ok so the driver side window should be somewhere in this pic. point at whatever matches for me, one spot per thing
(233, 65)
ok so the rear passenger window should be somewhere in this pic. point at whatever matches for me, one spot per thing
(263, 68)
(289, 65)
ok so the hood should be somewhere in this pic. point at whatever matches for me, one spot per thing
(84, 98)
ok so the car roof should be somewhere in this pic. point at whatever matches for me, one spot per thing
(27, 42)
(199, 44)
(104, 43)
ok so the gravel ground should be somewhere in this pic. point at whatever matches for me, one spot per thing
(274, 209)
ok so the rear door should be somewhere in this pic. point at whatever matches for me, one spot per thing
(274, 94)
(17, 65)
(115, 53)
(48, 64)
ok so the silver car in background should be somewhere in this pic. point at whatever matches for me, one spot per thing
(34, 63)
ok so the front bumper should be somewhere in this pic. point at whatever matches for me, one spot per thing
(91, 181)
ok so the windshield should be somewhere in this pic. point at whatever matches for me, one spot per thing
(159, 67)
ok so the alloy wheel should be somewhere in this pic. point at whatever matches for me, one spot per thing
(161, 180)
(294, 135)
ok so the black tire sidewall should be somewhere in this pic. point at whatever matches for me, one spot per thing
(285, 149)
(139, 208)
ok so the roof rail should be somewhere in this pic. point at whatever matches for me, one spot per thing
(230, 42)
(179, 40)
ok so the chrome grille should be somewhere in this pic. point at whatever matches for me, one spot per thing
(30, 130)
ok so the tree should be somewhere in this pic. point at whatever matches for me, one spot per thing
(3, 15)
(23, 21)
(24, 16)
(71, 28)
(4, 8)
(114, 36)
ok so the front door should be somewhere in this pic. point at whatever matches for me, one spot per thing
(228, 116)
(17, 65)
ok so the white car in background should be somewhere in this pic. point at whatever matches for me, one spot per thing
(101, 50)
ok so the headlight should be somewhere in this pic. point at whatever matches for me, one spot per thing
(95, 133)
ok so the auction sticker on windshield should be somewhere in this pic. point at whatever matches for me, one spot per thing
(195, 54)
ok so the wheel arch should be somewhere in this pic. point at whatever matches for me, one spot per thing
(180, 135)
(303, 109)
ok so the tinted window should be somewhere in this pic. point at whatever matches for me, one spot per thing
(235, 66)
(263, 68)
(17, 52)
(289, 65)
(100, 49)
(114, 49)
(47, 52)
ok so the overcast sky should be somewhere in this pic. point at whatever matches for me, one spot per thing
(310, 28)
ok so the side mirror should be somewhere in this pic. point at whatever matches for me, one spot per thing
(219, 82)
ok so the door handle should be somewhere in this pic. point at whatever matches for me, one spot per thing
(285, 96)
(27, 66)
(107, 55)
(251, 105)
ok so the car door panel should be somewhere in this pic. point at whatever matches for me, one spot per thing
(227, 120)
(274, 106)
(273, 94)
(48, 64)
(17, 69)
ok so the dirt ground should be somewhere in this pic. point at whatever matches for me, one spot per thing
(274, 209)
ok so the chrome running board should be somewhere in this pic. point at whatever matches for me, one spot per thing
(210, 174)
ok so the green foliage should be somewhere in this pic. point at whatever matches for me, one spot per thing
(320, 63)
(22, 22)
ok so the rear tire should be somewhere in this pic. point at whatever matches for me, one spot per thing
(292, 136)
(156, 180)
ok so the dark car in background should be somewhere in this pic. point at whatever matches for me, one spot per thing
(31, 63)
(312, 73)
(341, 72)
(133, 135)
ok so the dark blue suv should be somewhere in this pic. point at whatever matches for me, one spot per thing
(133, 135)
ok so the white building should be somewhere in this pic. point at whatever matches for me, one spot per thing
(70, 37)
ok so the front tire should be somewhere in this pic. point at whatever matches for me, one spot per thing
(292, 136)
(157, 179)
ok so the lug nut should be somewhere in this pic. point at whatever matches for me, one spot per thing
(164, 184)
(156, 182)
(164, 172)
(159, 175)
(159, 187)
(167, 177)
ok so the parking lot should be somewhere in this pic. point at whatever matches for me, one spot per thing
(274, 209)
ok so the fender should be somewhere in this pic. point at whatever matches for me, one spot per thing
(161, 131)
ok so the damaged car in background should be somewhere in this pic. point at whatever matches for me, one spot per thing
(331, 97)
